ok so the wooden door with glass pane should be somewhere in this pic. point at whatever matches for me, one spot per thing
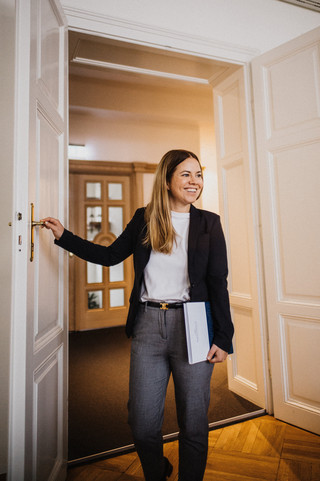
(101, 210)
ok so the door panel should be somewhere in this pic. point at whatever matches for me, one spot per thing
(101, 211)
(298, 102)
(44, 194)
(287, 103)
(245, 368)
(41, 451)
(293, 181)
(47, 443)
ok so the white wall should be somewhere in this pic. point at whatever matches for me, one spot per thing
(255, 24)
(7, 41)
(130, 139)
(130, 122)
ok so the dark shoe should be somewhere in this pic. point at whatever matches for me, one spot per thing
(167, 470)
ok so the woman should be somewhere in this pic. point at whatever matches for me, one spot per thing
(179, 255)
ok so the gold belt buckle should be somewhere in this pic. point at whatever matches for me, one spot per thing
(164, 306)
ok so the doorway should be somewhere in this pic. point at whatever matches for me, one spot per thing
(177, 108)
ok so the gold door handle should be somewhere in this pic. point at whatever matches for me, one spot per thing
(33, 224)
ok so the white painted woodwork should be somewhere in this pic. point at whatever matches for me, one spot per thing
(7, 59)
(238, 201)
(228, 29)
(112, 57)
(38, 443)
(287, 101)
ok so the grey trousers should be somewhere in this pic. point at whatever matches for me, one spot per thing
(158, 349)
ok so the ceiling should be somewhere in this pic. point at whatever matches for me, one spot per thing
(311, 4)
(112, 60)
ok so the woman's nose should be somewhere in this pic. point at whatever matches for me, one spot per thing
(193, 180)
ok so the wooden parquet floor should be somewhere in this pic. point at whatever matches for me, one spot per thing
(260, 449)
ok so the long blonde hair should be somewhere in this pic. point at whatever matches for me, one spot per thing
(160, 232)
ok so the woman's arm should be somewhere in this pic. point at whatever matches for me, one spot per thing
(119, 250)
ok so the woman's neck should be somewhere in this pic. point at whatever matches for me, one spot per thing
(176, 207)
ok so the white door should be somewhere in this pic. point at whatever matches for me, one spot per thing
(239, 212)
(38, 417)
(287, 105)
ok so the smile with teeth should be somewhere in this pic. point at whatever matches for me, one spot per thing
(190, 189)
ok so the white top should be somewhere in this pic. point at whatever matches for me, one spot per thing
(166, 275)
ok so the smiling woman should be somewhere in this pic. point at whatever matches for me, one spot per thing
(179, 256)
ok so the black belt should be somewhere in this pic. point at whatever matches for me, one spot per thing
(164, 306)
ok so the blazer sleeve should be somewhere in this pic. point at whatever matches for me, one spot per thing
(218, 288)
(119, 250)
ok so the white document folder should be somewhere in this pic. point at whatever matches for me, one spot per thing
(197, 334)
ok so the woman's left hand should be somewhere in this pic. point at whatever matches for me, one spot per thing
(216, 354)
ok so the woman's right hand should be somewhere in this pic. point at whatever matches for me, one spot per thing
(55, 226)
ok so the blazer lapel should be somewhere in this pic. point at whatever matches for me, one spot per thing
(194, 232)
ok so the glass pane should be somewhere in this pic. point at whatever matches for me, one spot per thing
(95, 300)
(115, 191)
(115, 220)
(94, 219)
(116, 273)
(93, 190)
(94, 273)
(116, 297)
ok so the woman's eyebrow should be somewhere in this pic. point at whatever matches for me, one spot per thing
(189, 172)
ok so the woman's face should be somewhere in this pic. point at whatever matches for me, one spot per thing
(185, 185)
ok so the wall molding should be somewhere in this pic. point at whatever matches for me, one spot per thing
(89, 22)
(138, 70)
(109, 167)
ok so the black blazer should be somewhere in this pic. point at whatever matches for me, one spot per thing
(207, 265)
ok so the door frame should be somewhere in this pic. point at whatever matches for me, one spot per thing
(125, 32)
(17, 390)
(83, 22)
(247, 375)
